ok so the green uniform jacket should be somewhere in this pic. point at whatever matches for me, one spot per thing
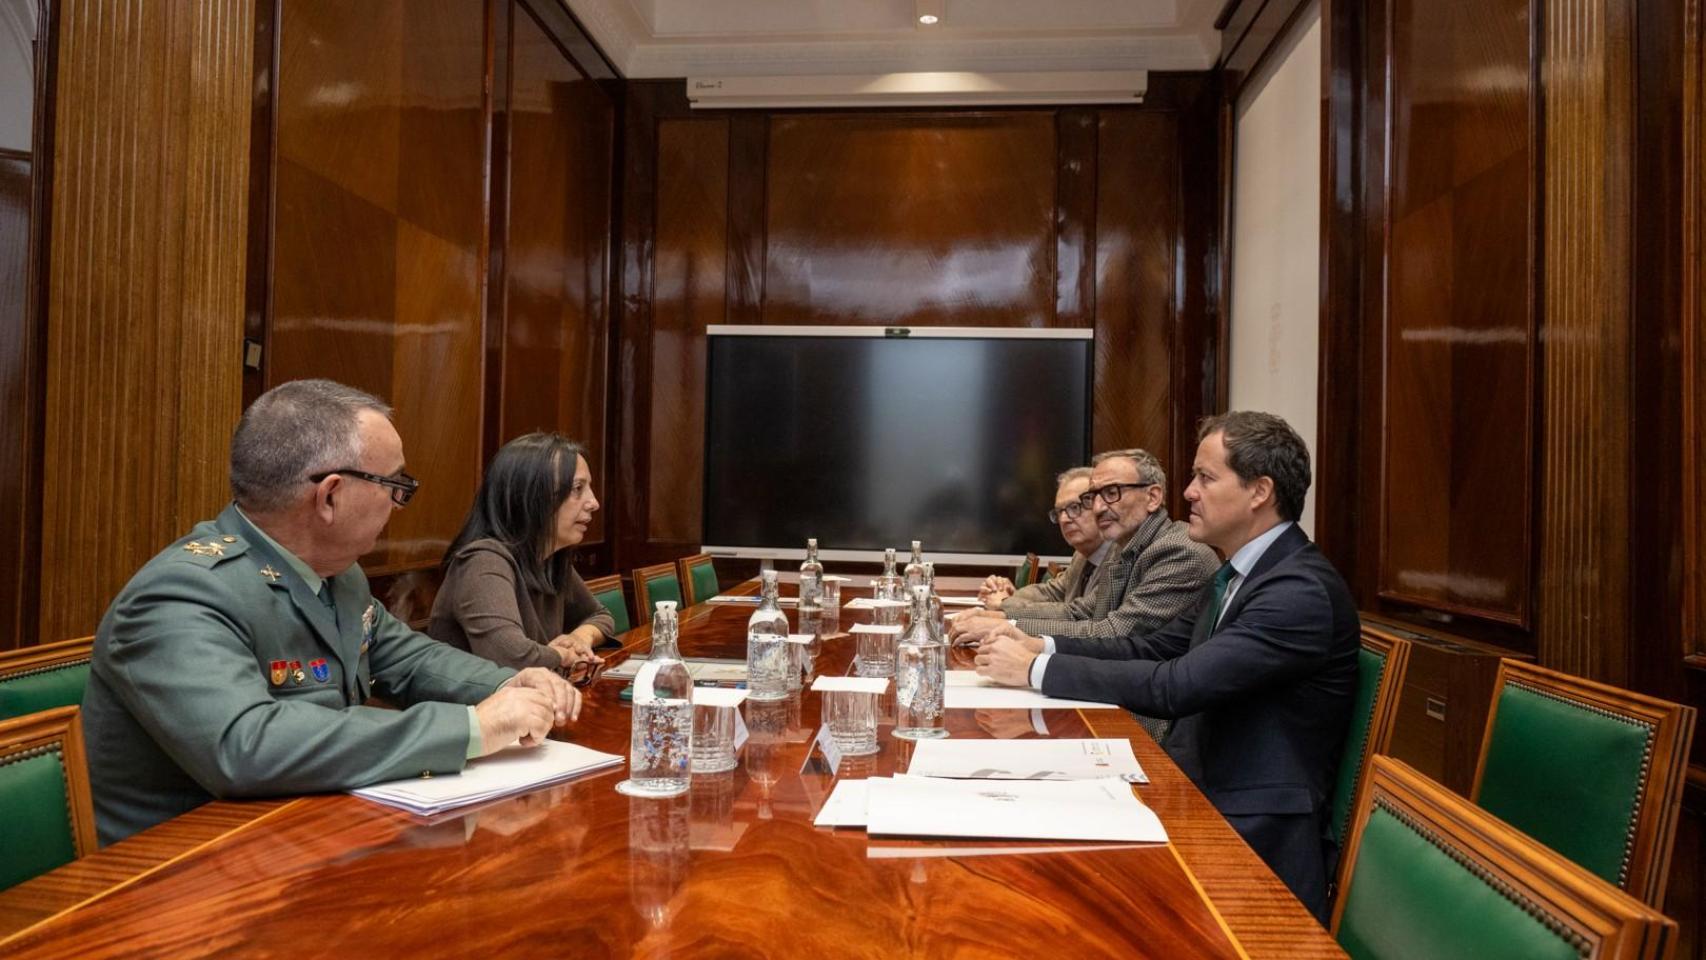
(218, 672)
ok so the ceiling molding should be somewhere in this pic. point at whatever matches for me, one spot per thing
(626, 39)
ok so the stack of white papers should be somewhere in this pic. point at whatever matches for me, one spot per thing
(1026, 760)
(908, 806)
(866, 603)
(962, 602)
(968, 691)
(512, 771)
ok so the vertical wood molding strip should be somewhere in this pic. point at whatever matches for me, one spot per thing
(145, 303)
(1587, 82)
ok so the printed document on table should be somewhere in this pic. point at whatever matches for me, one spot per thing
(1026, 760)
(961, 602)
(846, 804)
(515, 770)
(1010, 809)
(968, 691)
(716, 671)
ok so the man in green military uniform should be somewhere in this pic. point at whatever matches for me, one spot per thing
(236, 662)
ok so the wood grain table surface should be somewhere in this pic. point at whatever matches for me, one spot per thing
(735, 868)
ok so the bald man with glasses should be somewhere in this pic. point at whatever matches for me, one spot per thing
(1155, 571)
(1082, 576)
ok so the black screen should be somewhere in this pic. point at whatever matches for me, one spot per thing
(870, 442)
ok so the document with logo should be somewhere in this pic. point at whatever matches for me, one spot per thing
(1104, 810)
(1026, 760)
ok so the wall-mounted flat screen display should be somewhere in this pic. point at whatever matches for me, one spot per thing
(867, 440)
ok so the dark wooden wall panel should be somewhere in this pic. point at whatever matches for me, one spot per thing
(17, 344)
(1070, 217)
(1456, 510)
(378, 276)
(556, 272)
(869, 217)
(1137, 230)
(145, 292)
(689, 289)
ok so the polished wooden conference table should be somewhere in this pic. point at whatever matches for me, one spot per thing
(735, 868)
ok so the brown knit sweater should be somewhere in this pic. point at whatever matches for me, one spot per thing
(484, 607)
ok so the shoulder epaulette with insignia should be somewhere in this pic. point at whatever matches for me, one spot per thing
(211, 550)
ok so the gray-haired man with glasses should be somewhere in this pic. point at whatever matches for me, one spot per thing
(1082, 576)
(238, 662)
(1156, 572)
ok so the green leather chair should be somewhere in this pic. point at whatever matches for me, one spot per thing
(1381, 664)
(42, 677)
(1433, 876)
(1594, 772)
(1027, 569)
(44, 790)
(699, 574)
(608, 591)
(651, 584)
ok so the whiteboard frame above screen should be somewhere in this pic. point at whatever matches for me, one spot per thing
(898, 331)
(916, 333)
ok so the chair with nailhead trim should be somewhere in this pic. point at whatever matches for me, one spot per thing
(1432, 875)
(44, 789)
(44, 676)
(1592, 771)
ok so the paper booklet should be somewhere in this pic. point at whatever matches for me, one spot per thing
(515, 770)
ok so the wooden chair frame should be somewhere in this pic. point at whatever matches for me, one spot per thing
(684, 571)
(46, 656)
(61, 727)
(643, 595)
(1384, 720)
(1564, 896)
(599, 585)
(1647, 862)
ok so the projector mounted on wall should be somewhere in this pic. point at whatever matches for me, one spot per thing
(918, 90)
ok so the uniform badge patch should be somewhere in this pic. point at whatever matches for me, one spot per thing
(296, 674)
(369, 622)
(322, 672)
(279, 670)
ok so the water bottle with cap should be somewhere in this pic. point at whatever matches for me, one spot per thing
(660, 748)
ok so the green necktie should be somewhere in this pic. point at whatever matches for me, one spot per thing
(1217, 603)
(327, 599)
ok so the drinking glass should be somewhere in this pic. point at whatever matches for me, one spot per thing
(853, 722)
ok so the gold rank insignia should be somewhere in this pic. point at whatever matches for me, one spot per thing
(271, 574)
(208, 549)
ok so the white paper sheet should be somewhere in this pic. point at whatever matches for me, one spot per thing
(721, 671)
(515, 770)
(851, 684)
(846, 804)
(718, 696)
(867, 603)
(961, 602)
(1027, 760)
(889, 628)
(968, 691)
(1010, 809)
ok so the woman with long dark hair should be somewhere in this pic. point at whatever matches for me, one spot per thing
(511, 593)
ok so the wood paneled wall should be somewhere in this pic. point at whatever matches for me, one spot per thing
(1085, 217)
(440, 234)
(145, 298)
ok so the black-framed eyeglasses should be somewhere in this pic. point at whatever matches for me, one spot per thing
(1108, 494)
(1071, 511)
(402, 486)
(585, 673)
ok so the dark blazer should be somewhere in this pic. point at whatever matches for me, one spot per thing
(1262, 704)
(485, 608)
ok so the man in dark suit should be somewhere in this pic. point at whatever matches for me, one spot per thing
(1258, 676)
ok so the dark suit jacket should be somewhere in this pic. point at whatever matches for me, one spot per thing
(1262, 704)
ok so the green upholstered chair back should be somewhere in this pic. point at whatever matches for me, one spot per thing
(43, 677)
(44, 789)
(1025, 571)
(1589, 770)
(699, 574)
(1432, 876)
(654, 583)
(608, 592)
(1381, 663)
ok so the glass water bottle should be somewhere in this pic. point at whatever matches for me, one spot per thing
(660, 748)
(767, 656)
(921, 674)
(811, 580)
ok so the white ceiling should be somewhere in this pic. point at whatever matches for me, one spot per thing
(678, 38)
